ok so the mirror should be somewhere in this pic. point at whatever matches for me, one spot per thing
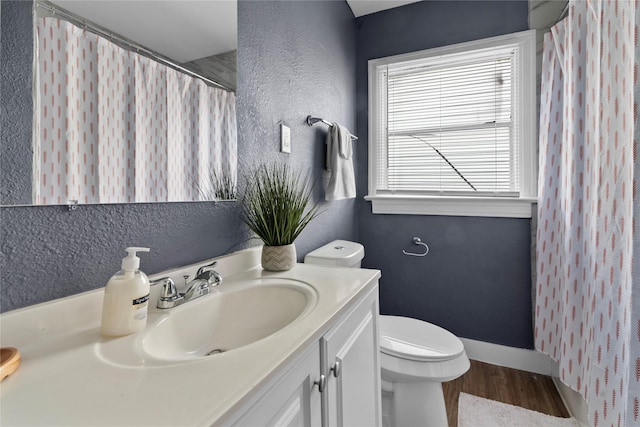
(173, 141)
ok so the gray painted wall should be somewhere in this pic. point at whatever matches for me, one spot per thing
(294, 59)
(476, 281)
(17, 102)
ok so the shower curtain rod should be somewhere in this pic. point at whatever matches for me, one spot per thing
(103, 32)
(313, 120)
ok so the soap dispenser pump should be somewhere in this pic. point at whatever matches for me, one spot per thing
(126, 297)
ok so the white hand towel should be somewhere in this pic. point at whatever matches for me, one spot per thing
(340, 182)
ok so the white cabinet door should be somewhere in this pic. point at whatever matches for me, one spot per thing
(350, 361)
(293, 401)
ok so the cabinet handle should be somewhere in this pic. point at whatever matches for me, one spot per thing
(321, 383)
(337, 369)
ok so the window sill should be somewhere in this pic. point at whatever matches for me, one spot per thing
(453, 206)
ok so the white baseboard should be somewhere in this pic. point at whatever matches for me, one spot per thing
(530, 361)
(510, 357)
(573, 401)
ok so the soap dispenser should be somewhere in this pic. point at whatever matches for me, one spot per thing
(126, 296)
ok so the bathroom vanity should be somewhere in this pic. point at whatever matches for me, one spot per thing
(301, 349)
(345, 389)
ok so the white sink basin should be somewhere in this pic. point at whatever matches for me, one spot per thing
(232, 316)
(236, 314)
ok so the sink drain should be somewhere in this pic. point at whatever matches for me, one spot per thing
(215, 351)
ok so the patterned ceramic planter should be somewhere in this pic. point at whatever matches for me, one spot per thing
(279, 258)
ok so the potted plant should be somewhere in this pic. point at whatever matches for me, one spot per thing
(276, 209)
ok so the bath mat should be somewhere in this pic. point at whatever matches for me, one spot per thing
(476, 411)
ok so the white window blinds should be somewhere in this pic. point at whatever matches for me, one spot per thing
(448, 124)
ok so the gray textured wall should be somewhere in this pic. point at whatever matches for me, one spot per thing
(476, 281)
(297, 58)
(17, 102)
(294, 59)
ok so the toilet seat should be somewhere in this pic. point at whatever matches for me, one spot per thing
(413, 339)
(416, 357)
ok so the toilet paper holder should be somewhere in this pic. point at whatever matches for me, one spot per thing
(418, 241)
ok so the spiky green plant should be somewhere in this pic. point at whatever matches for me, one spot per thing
(275, 204)
(217, 186)
(224, 186)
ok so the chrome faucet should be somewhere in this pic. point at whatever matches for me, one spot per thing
(206, 279)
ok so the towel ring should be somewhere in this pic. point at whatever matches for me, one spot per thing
(417, 241)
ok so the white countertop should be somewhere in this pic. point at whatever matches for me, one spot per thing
(64, 379)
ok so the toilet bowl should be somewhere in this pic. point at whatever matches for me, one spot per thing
(416, 357)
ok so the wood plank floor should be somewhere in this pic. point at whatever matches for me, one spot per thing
(520, 388)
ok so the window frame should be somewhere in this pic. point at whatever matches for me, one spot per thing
(415, 203)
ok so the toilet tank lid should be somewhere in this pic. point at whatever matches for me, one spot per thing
(343, 252)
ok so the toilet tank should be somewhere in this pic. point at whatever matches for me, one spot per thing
(339, 253)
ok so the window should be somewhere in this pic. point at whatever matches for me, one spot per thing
(452, 129)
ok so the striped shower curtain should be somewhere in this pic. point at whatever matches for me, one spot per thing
(587, 313)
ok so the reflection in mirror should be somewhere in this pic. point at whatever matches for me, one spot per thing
(116, 122)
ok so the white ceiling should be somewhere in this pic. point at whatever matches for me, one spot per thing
(365, 7)
(182, 30)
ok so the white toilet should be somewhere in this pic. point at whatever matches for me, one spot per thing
(416, 357)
